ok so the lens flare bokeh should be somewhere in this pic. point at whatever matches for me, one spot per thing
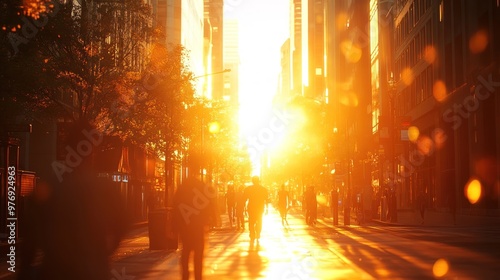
(440, 268)
(473, 191)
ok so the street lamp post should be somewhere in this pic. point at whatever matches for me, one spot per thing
(391, 193)
(203, 124)
(347, 205)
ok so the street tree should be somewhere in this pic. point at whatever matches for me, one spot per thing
(67, 58)
(228, 159)
(153, 110)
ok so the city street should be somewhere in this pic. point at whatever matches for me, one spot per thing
(371, 251)
(122, 120)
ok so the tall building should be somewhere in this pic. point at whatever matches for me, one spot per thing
(296, 24)
(231, 60)
(382, 80)
(314, 83)
(214, 14)
(182, 22)
(207, 59)
(446, 61)
(167, 17)
(308, 45)
(285, 82)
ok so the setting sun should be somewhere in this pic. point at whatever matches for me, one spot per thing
(263, 28)
(249, 139)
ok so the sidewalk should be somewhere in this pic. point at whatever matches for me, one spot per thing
(283, 253)
(410, 217)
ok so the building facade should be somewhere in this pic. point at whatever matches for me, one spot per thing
(296, 41)
(182, 22)
(231, 61)
(214, 14)
(446, 62)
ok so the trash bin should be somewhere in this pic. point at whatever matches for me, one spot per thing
(160, 230)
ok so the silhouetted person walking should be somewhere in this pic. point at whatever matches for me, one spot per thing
(256, 195)
(311, 205)
(193, 208)
(283, 201)
(81, 218)
(240, 209)
(231, 204)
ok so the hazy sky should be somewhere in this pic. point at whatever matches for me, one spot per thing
(264, 27)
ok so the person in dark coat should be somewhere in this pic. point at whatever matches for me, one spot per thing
(82, 218)
(283, 201)
(311, 205)
(240, 209)
(193, 210)
(231, 204)
(257, 196)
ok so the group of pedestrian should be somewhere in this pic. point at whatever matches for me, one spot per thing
(74, 222)
(193, 212)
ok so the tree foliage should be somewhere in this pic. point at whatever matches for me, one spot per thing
(99, 61)
(67, 59)
(152, 110)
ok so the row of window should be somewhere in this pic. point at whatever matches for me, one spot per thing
(416, 10)
(418, 91)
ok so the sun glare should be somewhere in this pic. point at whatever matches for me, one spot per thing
(262, 33)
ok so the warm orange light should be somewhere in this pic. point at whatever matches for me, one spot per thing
(34, 8)
(319, 19)
(349, 99)
(342, 21)
(425, 145)
(439, 137)
(321, 200)
(214, 127)
(440, 268)
(473, 191)
(407, 76)
(439, 91)
(413, 133)
(478, 42)
(429, 54)
(351, 51)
